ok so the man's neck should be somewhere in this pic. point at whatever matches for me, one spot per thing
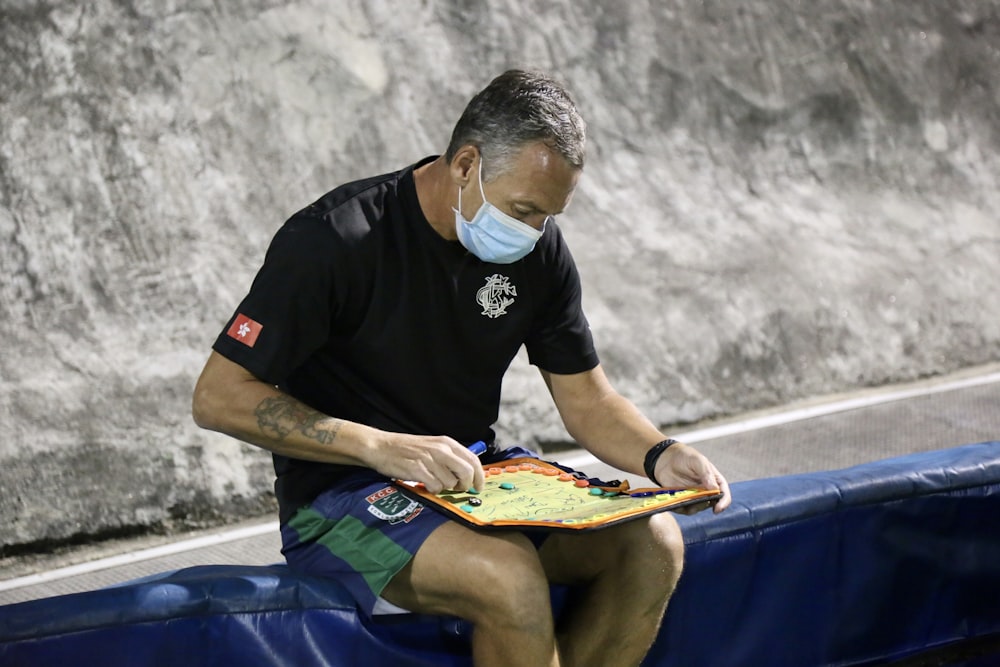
(437, 194)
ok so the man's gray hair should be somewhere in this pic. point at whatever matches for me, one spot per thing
(515, 109)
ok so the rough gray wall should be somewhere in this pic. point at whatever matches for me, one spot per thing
(783, 199)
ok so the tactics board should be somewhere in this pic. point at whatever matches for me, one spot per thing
(527, 493)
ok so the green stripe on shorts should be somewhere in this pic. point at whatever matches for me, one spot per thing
(368, 551)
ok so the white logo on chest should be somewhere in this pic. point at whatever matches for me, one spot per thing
(496, 295)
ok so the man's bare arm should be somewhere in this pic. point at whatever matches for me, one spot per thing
(231, 400)
(610, 427)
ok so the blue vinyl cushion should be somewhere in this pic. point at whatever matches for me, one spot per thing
(849, 567)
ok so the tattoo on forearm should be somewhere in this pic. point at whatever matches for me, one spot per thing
(279, 416)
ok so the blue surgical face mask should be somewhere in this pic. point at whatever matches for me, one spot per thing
(492, 235)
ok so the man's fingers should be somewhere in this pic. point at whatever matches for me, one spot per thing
(460, 469)
(433, 487)
(717, 481)
(694, 508)
(468, 470)
(726, 498)
(439, 463)
(479, 479)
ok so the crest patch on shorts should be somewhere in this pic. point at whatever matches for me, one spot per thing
(392, 506)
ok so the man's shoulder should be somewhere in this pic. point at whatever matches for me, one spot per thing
(351, 210)
(338, 223)
(344, 199)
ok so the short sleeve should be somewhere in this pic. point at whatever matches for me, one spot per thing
(560, 340)
(287, 313)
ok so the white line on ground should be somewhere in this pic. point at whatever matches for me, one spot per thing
(137, 556)
(799, 414)
(573, 460)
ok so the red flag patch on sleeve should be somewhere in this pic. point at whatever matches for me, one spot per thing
(245, 330)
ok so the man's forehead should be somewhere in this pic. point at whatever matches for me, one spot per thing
(539, 178)
(530, 203)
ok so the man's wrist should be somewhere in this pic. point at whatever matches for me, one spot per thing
(653, 455)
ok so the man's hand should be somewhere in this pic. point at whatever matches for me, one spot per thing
(438, 462)
(684, 466)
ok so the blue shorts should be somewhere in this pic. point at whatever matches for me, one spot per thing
(362, 531)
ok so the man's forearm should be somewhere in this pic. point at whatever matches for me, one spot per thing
(281, 416)
(616, 432)
(230, 400)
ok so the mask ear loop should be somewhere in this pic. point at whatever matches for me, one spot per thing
(480, 172)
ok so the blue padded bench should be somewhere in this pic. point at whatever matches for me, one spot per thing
(892, 562)
(870, 565)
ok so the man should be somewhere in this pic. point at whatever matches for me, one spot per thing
(372, 345)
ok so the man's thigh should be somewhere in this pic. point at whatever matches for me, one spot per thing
(461, 572)
(579, 557)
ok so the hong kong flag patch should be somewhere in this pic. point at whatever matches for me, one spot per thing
(245, 330)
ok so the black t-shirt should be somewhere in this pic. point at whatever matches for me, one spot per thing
(363, 312)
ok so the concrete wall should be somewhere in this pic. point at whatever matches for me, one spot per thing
(782, 200)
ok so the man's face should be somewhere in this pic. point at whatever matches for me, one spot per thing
(537, 184)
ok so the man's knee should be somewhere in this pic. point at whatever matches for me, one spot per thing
(632, 549)
(647, 546)
(668, 541)
(666, 535)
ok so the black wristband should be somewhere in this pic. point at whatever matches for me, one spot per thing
(649, 465)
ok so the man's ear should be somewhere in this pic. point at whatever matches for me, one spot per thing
(462, 163)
